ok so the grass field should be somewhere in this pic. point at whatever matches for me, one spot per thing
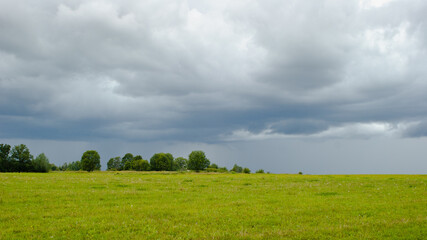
(135, 205)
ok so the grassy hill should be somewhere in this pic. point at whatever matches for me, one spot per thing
(135, 205)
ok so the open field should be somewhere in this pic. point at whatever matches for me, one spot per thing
(135, 205)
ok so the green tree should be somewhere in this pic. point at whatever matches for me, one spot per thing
(197, 161)
(213, 165)
(41, 163)
(91, 161)
(21, 158)
(63, 167)
(5, 165)
(260, 171)
(161, 162)
(53, 167)
(236, 168)
(246, 170)
(127, 161)
(141, 165)
(74, 166)
(180, 164)
(114, 164)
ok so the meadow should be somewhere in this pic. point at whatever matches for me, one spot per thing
(142, 205)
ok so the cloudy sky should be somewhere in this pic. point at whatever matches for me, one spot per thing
(317, 86)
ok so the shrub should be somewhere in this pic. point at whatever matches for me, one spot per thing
(246, 170)
(260, 171)
(237, 169)
(53, 167)
(211, 169)
(213, 165)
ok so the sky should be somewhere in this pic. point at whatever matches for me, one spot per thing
(317, 86)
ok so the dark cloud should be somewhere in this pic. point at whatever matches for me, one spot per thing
(199, 71)
(416, 130)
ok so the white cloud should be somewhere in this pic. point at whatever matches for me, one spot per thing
(346, 131)
(368, 4)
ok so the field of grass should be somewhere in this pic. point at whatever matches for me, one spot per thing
(135, 205)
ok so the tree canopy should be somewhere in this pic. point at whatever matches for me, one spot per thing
(114, 163)
(21, 158)
(197, 161)
(91, 161)
(162, 162)
(41, 163)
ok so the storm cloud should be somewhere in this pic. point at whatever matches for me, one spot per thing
(212, 72)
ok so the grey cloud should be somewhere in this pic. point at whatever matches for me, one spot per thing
(198, 70)
(300, 126)
(416, 130)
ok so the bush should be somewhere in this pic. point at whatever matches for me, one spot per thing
(237, 169)
(53, 167)
(211, 169)
(197, 161)
(213, 165)
(246, 170)
(91, 161)
(260, 171)
(41, 163)
(223, 169)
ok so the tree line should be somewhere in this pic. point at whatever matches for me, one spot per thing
(19, 159)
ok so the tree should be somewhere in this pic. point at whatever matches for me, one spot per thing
(91, 161)
(63, 167)
(141, 165)
(127, 161)
(180, 164)
(260, 171)
(74, 166)
(213, 165)
(197, 161)
(236, 168)
(53, 167)
(21, 158)
(246, 170)
(114, 164)
(41, 163)
(161, 162)
(4, 158)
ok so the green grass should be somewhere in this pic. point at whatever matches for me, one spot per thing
(135, 205)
